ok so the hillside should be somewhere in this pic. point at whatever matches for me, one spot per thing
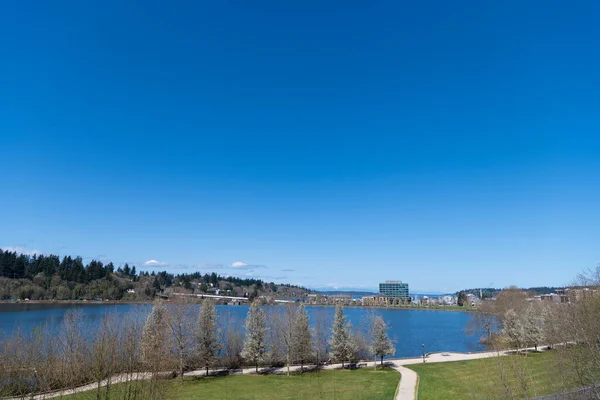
(41, 277)
(493, 292)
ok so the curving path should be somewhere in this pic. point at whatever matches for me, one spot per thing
(407, 388)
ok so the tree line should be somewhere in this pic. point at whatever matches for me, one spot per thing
(493, 292)
(140, 353)
(50, 277)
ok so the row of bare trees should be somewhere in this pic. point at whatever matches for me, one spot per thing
(140, 349)
(571, 330)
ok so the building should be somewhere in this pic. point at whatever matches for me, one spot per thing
(472, 300)
(394, 290)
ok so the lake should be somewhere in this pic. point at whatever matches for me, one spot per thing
(437, 330)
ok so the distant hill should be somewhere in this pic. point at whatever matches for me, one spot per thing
(493, 292)
(49, 277)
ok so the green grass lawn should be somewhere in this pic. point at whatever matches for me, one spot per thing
(360, 384)
(494, 378)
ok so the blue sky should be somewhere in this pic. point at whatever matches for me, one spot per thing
(333, 144)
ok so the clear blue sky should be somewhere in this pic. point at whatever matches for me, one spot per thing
(336, 144)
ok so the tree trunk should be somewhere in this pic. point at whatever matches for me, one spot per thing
(207, 370)
(382, 361)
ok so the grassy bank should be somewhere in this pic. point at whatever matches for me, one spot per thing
(493, 378)
(361, 384)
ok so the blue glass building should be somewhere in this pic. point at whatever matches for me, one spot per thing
(395, 290)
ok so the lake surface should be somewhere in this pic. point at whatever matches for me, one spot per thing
(437, 330)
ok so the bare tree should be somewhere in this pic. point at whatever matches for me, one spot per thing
(180, 322)
(104, 352)
(579, 357)
(156, 345)
(381, 345)
(129, 351)
(284, 324)
(256, 332)
(483, 322)
(510, 299)
(207, 335)
(321, 332)
(232, 339)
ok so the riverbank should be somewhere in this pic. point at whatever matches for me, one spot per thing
(429, 308)
(82, 302)
(149, 302)
(96, 302)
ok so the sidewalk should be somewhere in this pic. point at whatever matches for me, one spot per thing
(406, 388)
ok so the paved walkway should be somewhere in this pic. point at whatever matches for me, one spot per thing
(406, 388)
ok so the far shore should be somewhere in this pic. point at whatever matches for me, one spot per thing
(99, 302)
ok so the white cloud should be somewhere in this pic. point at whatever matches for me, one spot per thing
(21, 250)
(239, 265)
(154, 263)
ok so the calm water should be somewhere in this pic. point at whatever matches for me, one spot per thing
(438, 330)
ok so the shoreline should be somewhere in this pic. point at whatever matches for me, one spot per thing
(83, 302)
(114, 302)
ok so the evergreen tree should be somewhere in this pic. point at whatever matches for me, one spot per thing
(303, 343)
(462, 298)
(256, 332)
(341, 339)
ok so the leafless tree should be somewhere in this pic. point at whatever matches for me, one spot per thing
(155, 346)
(104, 352)
(129, 352)
(73, 350)
(579, 356)
(283, 325)
(321, 332)
(232, 339)
(483, 322)
(180, 322)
